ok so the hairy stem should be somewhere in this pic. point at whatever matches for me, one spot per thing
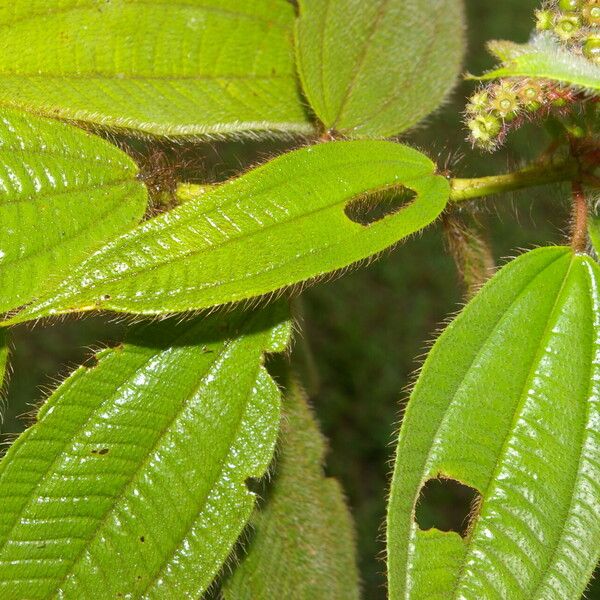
(468, 189)
(580, 217)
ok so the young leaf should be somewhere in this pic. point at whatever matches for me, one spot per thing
(132, 482)
(188, 68)
(374, 69)
(302, 546)
(545, 58)
(63, 192)
(276, 226)
(508, 403)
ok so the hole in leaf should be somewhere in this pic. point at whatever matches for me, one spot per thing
(373, 207)
(447, 505)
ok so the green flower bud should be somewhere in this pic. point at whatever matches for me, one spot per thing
(484, 129)
(567, 26)
(591, 13)
(569, 5)
(591, 49)
(531, 96)
(479, 102)
(505, 102)
(544, 20)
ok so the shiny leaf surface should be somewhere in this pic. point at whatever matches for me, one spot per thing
(276, 226)
(186, 68)
(63, 193)
(374, 69)
(545, 58)
(132, 483)
(508, 403)
(302, 541)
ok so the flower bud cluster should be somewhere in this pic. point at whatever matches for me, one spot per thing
(504, 105)
(575, 23)
(501, 106)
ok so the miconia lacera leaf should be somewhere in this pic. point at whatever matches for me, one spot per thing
(185, 68)
(508, 403)
(302, 540)
(132, 482)
(63, 193)
(375, 68)
(278, 225)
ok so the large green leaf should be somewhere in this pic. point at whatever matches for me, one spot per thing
(132, 482)
(375, 68)
(302, 546)
(63, 192)
(508, 402)
(545, 58)
(185, 68)
(278, 225)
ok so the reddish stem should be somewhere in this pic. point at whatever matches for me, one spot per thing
(580, 217)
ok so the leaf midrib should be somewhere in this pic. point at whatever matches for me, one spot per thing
(443, 420)
(361, 61)
(234, 437)
(584, 435)
(124, 487)
(396, 94)
(159, 438)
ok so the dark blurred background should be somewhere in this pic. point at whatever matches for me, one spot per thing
(366, 331)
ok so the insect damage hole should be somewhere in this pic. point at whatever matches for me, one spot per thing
(374, 206)
(446, 505)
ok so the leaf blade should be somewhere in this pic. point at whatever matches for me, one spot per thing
(303, 544)
(545, 58)
(276, 226)
(374, 69)
(504, 422)
(63, 193)
(191, 68)
(135, 456)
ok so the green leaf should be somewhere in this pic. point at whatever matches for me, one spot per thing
(132, 482)
(63, 192)
(276, 226)
(374, 69)
(186, 68)
(508, 402)
(545, 58)
(303, 543)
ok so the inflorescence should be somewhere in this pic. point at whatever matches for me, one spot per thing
(497, 108)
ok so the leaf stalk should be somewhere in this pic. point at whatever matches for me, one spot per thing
(469, 189)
